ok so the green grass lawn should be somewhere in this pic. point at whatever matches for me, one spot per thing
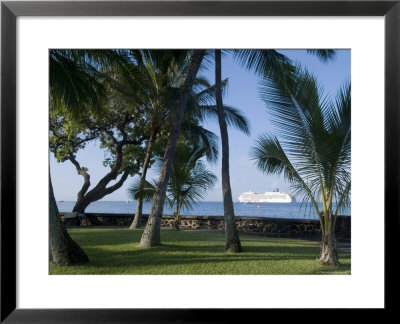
(116, 251)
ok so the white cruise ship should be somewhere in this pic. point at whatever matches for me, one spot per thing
(267, 197)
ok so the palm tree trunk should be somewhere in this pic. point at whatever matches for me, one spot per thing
(329, 254)
(137, 220)
(176, 222)
(232, 241)
(63, 250)
(152, 231)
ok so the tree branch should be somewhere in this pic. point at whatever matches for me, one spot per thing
(81, 171)
(118, 184)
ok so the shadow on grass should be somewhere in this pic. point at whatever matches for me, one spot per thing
(211, 254)
(264, 249)
(343, 268)
(119, 248)
(101, 237)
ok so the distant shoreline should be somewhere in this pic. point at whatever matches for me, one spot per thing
(247, 224)
(293, 210)
(130, 215)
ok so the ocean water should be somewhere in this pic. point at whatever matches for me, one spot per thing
(206, 208)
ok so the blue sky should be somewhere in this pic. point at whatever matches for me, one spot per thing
(243, 94)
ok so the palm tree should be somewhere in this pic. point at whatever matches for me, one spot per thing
(151, 234)
(232, 241)
(188, 183)
(313, 151)
(259, 61)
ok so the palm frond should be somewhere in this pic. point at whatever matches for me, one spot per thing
(233, 117)
(298, 110)
(145, 192)
(190, 179)
(207, 95)
(73, 86)
(206, 138)
(324, 55)
(314, 153)
(270, 158)
(261, 61)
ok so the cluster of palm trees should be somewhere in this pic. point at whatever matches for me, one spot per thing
(174, 102)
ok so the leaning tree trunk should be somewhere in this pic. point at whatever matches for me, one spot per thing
(137, 220)
(152, 231)
(81, 205)
(329, 254)
(101, 190)
(232, 241)
(63, 250)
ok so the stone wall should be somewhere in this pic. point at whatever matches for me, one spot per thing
(270, 226)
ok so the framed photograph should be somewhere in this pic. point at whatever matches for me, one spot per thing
(30, 292)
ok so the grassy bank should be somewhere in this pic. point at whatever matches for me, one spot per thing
(117, 251)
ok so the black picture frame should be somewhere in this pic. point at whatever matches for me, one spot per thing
(10, 10)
